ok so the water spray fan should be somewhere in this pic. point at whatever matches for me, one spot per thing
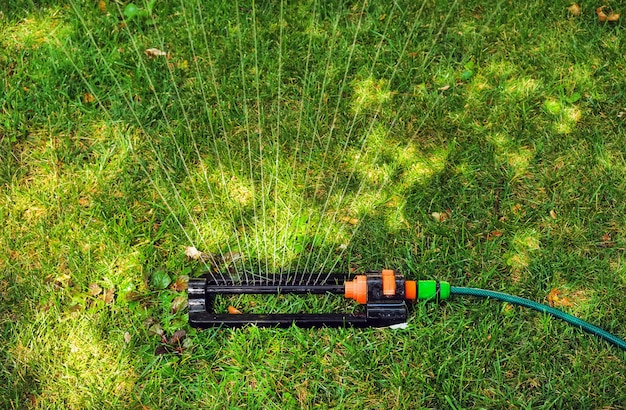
(386, 297)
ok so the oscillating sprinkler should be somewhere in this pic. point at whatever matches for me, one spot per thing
(386, 297)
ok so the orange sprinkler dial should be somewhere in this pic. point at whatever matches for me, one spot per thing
(357, 289)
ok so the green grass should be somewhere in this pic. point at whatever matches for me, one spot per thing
(310, 137)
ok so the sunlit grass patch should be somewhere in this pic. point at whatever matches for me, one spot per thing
(370, 93)
(419, 166)
(85, 369)
(612, 160)
(508, 152)
(567, 120)
(36, 30)
(521, 87)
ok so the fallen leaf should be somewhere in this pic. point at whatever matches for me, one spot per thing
(181, 283)
(233, 310)
(556, 299)
(441, 216)
(102, 6)
(88, 98)
(192, 253)
(517, 209)
(161, 350)
(127, 337)
(94, 289)
(494, 234)
(602, 16)
(553, 214)
(155, 52)
(574, 10)
(108, 295)
(179, 303)
(63, 281)
(177, 337)
(349, 220)
(606, 241)
(156, 329)
(444, 88)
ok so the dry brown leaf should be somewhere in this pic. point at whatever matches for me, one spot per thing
(606, 241)
(161, 350)
(195, 254)
(108, 295)
(349, 220)
(494, 234)
(602, 16)
(574, 10)
(192, 252)
(94, 289)
(233, 310)
(553, 214)
(517, 209)
(441, 216)
(102, 6)
(127, 337)
(181, 283)
(155, 52)
(444, 88)
(177, 337)
(557, 299)
(88, 98)
(63, 281)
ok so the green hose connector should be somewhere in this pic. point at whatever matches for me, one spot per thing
(433, 289)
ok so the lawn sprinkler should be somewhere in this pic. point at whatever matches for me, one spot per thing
(386, 297)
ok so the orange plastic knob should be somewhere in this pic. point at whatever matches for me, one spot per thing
(357, 289)
(410, 290)
(389, 282)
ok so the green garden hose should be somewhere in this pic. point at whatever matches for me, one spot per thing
(516, 300)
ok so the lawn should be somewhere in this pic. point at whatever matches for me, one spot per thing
(476, 142)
